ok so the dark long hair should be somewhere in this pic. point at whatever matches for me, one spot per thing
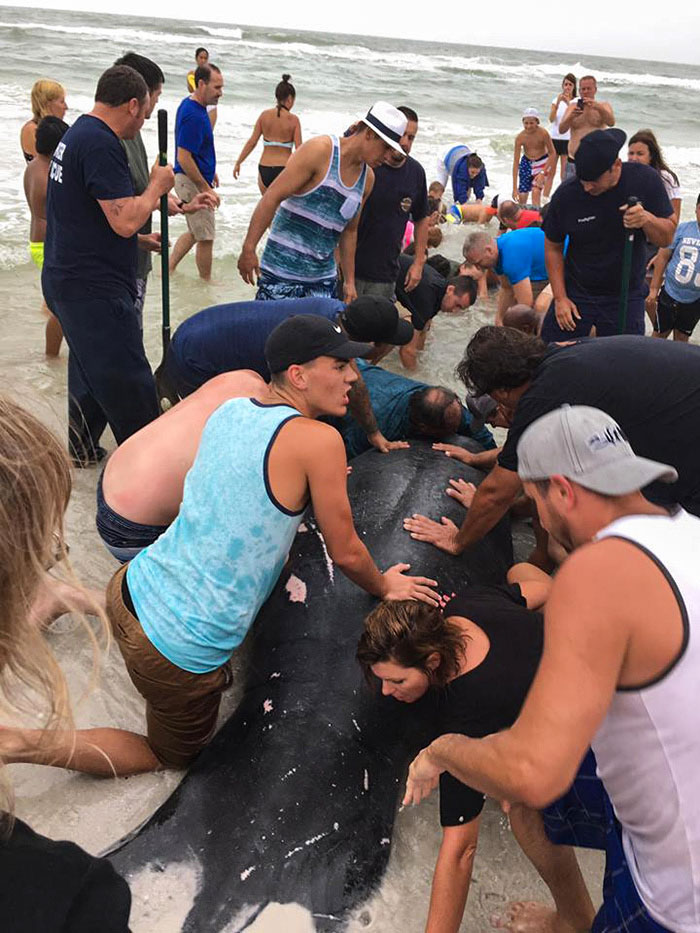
(572, 78)
(500, 358)
(657, 159)
(408, 632)
(284, 90)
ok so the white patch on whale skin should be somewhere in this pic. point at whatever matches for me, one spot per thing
(354, 722)
(327, 556)
(275, 674)
(308, 842)
(366, 780)
(385, 842)
(267, 706)
(161, 900)
(246, 873)
(290, 918)
(289, 773)
(302, 528)
(296, 590)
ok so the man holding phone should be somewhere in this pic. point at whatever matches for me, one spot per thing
(583, 115)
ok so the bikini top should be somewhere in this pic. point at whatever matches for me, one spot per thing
(275, 142)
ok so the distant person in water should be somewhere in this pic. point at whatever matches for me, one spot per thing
(281, 132)
(36, 178)
(183, 606)
(201, 57)
(534, 159)
(48, 100)
(313, 209)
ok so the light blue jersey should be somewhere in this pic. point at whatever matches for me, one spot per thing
(521, 255)
(306, 227)
(198, 588)
(683, 270)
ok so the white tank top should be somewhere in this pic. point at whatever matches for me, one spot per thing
(648, 746)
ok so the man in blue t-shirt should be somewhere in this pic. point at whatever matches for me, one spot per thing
(517, 258)
(195, 166)
(406, 408)
(678, 306)
(89, 274)
(592, 211)
(400, 194)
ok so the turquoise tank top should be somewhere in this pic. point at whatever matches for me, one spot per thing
(198, 588)
(306, 228)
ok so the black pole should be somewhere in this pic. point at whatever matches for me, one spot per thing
(626, 269)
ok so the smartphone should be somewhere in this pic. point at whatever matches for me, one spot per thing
(579, 103)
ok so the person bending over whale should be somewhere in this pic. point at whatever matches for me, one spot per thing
(183, 605)
(406, 408)
(232, 336)
(480, 651)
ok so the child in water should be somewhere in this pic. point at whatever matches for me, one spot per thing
(531, 169)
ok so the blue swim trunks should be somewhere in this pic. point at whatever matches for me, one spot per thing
(584, 817)
(270, 288)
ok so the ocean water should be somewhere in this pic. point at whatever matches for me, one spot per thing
(462, 93)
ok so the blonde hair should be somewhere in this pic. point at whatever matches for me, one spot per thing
(45, 92)
(35, 485)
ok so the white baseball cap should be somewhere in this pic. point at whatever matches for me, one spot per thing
(588, 447)
(387, 122)
(531, 112)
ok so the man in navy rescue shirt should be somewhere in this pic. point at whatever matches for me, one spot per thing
(400, 194)
(195, 166)
(592, 211)
(89, 274)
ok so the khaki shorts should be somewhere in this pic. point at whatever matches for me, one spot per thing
(375, 289)
(201, 224)
(181, 707)
(538, 287)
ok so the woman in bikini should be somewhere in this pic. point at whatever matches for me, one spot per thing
(281, 132)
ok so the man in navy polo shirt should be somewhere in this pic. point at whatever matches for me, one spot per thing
(400, 194)
(592, 211)
(89, 275)
(195, 166)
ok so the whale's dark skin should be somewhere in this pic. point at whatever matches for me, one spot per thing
(306, 793)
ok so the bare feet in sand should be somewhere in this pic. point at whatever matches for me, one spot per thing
(531, 917)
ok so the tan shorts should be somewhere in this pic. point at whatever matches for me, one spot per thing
(181, 707)
(201, 224)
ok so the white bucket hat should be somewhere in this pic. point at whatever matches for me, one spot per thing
(387, 122)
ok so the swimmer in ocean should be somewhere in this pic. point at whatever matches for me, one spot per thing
(36, 177)
(536, 163)
(281, 133)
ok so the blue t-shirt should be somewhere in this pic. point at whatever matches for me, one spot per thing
(682, 281)
(597, 235)
(232, 336)
(83, 256)
(193, 132)
(399, 194)
(462, 183)
(390, 395)
(521, 255)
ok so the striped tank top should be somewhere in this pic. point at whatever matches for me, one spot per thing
(306, 228)
(198, 588)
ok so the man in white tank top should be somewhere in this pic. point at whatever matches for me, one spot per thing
(620, 673)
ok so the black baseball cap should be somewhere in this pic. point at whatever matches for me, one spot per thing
(305, 337)
(376, 319)
(596, 153)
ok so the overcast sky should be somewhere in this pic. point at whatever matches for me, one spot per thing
(626, 29)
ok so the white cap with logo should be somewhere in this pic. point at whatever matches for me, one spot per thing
(387, 122)
(587, 446)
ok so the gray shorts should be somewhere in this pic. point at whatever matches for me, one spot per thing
(201, 224)
(375, 289)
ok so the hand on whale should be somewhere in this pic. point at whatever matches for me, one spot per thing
(442, 534)
(423, 778)
(400, 586)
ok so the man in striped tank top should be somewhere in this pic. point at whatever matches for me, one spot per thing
(619, 673)
(313, 208)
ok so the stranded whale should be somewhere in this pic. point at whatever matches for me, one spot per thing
(293, 802)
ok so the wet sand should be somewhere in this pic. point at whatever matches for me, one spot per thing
(96, 813)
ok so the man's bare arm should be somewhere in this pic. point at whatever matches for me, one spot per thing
(661, 260)
(189, 166)
(522, 291)
(126, 216)
(566, 120)
(347, 244)
(606, 112)
(493, 498)
(420, 240)
(360, 406)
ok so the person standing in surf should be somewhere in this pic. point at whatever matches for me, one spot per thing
(281, 133)
(313, 208)
(560, 140)
(183, 605)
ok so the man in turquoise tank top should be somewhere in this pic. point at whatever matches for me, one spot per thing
(313, 207)
(183, 605)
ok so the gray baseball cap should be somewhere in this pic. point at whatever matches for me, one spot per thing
(588, 447)
(482, 408)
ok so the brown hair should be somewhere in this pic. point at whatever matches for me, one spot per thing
(35, 486)
(572, 78)
(500, 358)
(44, 92)
(408, 632)
(657, 160)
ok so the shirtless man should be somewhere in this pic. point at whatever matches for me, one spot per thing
(531, 169)
(583, 115)
(181, 608)
(36, 177)
(304, 206)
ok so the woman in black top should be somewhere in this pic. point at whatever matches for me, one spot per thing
(482, 651)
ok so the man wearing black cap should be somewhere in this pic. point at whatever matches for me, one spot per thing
(591, 210)
(232, 336)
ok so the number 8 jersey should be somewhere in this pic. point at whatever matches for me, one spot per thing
(683, 271)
